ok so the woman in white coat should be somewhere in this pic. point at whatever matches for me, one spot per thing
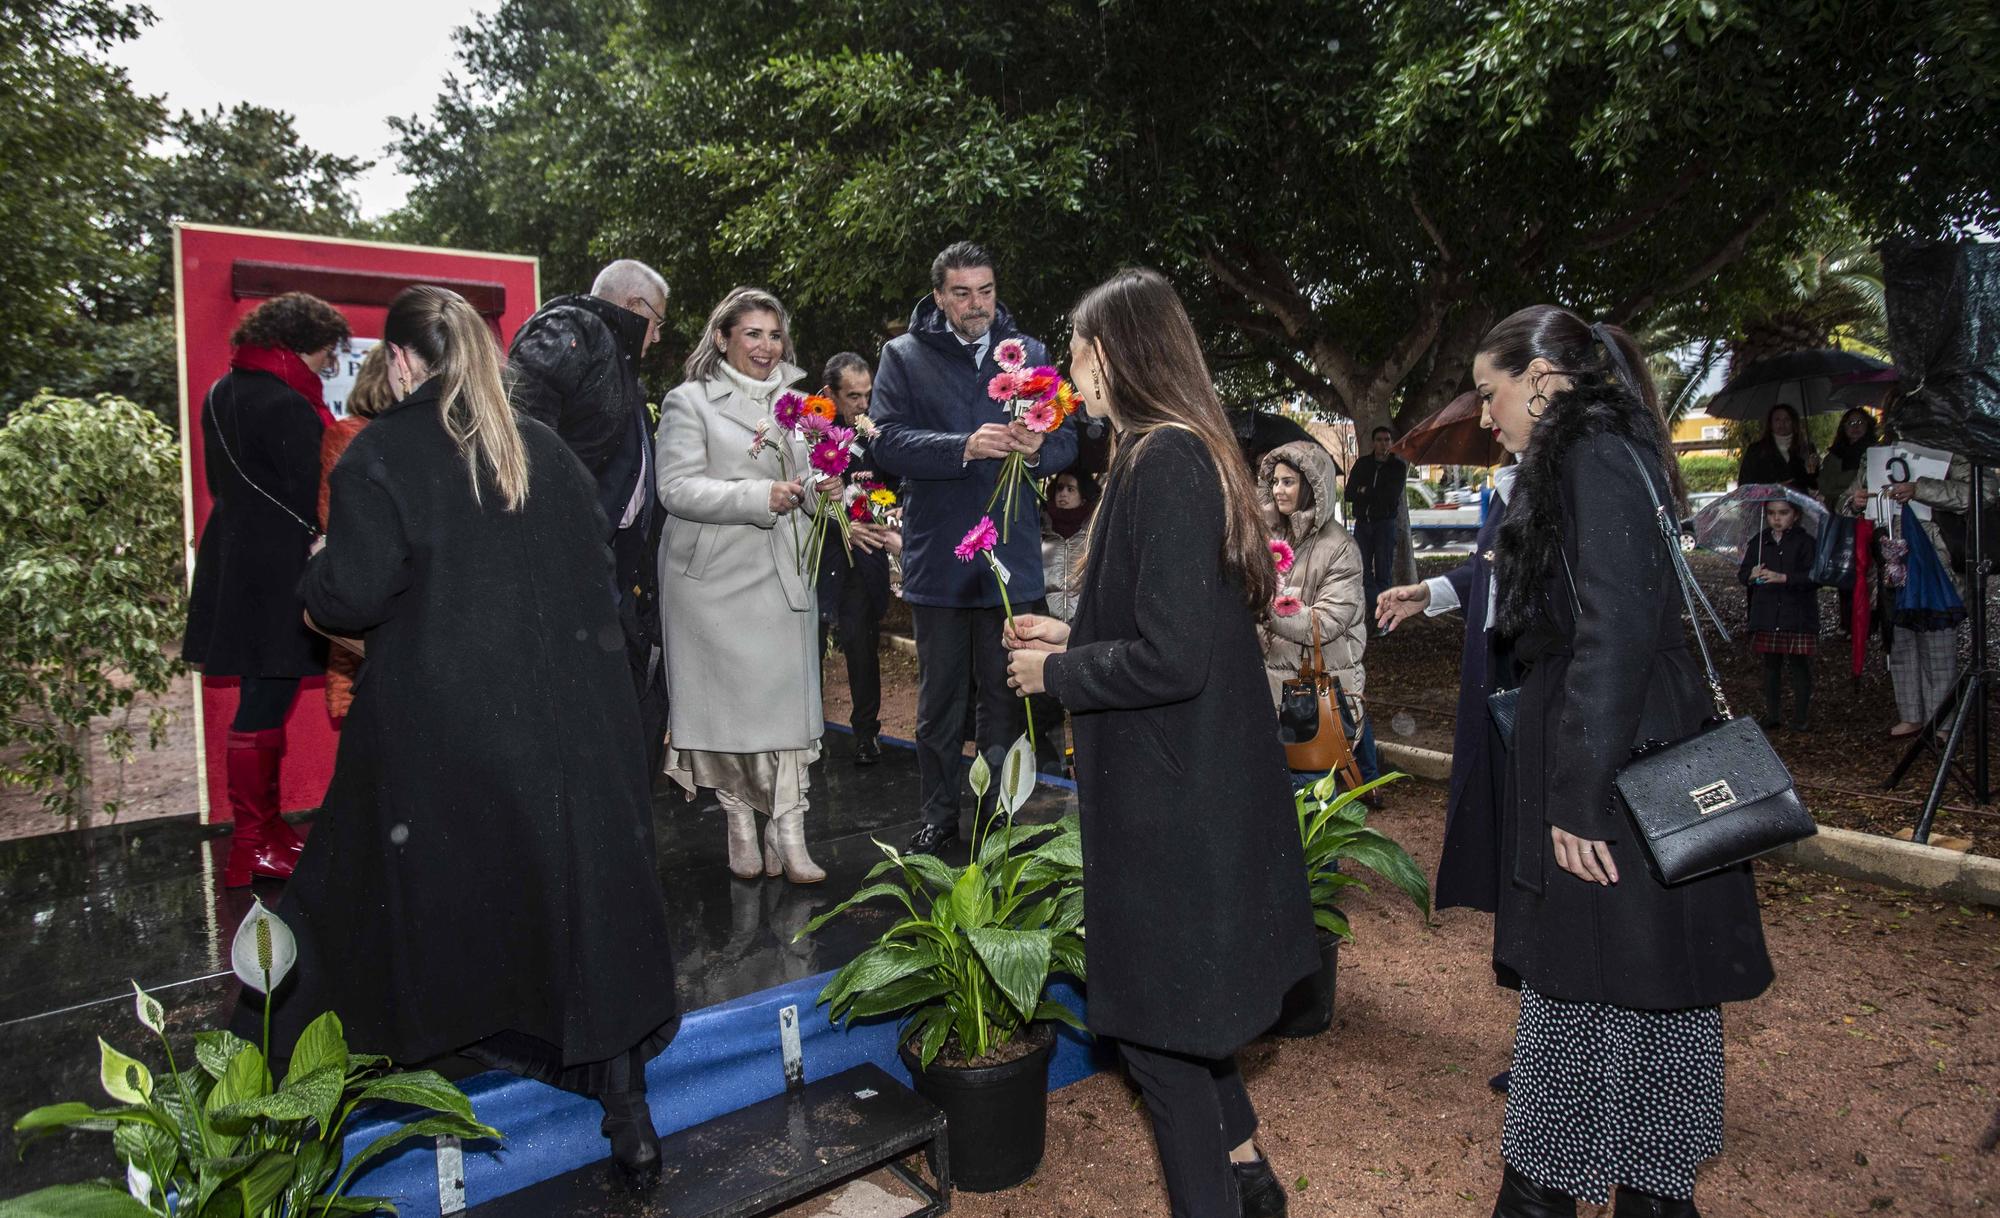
(739, 617)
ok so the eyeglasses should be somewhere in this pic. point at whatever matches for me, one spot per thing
(657, 319)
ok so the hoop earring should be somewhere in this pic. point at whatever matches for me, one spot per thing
(1543, 398)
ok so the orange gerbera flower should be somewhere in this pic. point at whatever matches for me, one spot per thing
(821, 406)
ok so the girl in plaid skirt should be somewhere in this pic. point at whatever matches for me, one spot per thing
(1784, 611)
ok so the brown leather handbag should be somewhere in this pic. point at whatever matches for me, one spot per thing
(1309, 720)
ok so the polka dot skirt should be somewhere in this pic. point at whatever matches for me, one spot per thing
(1604, 1095)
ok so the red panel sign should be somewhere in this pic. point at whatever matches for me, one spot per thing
(221, 274)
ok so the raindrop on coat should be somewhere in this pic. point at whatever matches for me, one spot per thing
(1403, 724)
(398, 834)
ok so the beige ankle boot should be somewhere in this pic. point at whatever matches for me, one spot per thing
(742, 836)
(785, 847)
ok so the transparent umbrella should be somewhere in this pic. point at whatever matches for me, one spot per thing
(1735, 522)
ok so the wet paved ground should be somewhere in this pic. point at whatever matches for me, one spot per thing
(82, 915)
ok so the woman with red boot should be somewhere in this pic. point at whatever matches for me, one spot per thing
(260, 429)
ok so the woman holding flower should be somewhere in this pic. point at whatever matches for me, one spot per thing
(738, 607)
(1319, 582)
(1195, 888)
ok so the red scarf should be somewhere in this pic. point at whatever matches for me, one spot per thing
(289, 368)
(1065, 522)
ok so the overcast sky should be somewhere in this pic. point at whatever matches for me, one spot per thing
(340, 71)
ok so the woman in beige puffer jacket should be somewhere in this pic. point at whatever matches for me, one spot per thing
(1295, 485)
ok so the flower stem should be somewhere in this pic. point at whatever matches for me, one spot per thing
(1007, 607)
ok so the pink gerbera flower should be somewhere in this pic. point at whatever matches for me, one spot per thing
(812, 426)
(1001, 387)
(1011, 354)
(979, 541)
(787, 410)
(1281, 553)
(1042, 416)
(830, 457)
(1286, 605)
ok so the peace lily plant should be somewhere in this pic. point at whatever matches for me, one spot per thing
(970, 960)
(226, 1140)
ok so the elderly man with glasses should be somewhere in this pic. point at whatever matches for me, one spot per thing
(576, 369)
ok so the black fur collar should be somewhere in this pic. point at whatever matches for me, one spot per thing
(1531, 536)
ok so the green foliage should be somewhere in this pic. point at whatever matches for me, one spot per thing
(91, 586)
(227, 1141)
(1347, 202)
(1333, 826)
(1708, 473)
(970, 959)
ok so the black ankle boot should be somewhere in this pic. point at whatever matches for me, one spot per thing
(1258, 1188)
(1634, 1204)
(635, 1148)
(1521, 1197)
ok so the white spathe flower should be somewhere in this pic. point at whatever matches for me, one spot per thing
(151, 1013)
(1017, 775)
(139, 1184)
(123, 1078)
(264, 950)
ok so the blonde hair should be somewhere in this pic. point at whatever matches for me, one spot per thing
(455, 343)
(371, 394)
(706, 358)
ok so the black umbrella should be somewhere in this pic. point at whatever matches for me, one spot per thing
(1803, 380)
(1260, 431)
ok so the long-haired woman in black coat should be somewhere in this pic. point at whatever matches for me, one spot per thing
(1782, 456)
(1617, 1075)
(1194, 881)
(482, 879)
(260, 434)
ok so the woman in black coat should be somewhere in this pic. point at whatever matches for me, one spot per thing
(1194, 879)
(260, 432)
(1617, 1075)
(482, 878)
(1783, 456)
(1784, 611)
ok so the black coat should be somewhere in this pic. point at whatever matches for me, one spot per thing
(575, 369)
(1375, 488)
(483, 860)
(871, 569)
(244, 615)
(929, 397)
(1792, 606)
(1599, 682)
(1195, 893)
(1763, 465)
(1468, 868)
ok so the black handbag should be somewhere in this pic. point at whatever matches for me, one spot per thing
(1717, 798)
(1833, 560)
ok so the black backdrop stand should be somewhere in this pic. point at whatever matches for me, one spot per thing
(1966, 705)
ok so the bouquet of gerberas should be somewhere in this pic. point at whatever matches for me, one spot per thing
(831, 448)
(870, 502)
(1037, 398)
(811, 419)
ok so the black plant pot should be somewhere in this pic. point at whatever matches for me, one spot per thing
(1308, 1006)
(996, 1116)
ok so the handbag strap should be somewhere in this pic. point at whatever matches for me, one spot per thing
(1319, 657)
(1691, 592)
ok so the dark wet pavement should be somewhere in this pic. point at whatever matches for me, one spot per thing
(84, 914)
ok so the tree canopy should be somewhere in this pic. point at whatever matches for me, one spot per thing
(1348, 194)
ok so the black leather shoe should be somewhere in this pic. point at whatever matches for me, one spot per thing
(867, 750)
(1500, 1081)
(932, 838)
(1634, 1204)
(635, 1148)
(1257, 1185)
(1521, 1197)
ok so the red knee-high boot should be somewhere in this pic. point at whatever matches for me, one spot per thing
(256, 847)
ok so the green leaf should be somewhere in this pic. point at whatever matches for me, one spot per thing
(897, 996)
(971, 903)
(264, 1180)
(1333, 924)
(98, 1200)
(866, 894)
(298, 1100)
(1018, 962)
(1393, 863)
(428, 1127)
(213, 1050)
(420, 1089)
(322, 1045)
(314, 1168)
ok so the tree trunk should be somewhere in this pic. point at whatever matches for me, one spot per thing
(82, 785)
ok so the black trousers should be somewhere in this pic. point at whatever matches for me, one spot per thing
(1201, 1112)
(857, 628)
(263, 702)
(953, 647)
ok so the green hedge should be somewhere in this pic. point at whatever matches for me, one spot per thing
(1708, 473)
